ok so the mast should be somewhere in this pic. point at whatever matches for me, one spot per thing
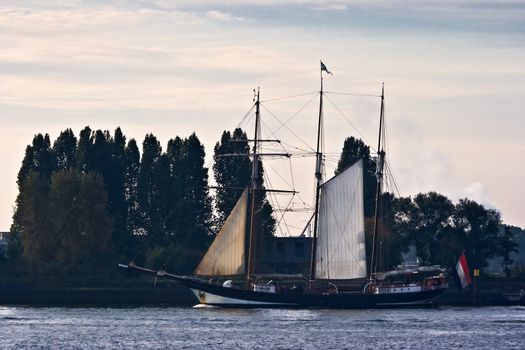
(318, 177)
(253, 186)
(379, 177)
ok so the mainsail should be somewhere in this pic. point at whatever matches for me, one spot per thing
(225, 257)
(341, 235)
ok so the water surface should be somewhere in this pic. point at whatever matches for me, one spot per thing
(187, 328)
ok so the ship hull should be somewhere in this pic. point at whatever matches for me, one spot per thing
(215, 295)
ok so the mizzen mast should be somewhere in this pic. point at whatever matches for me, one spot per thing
(318, 174)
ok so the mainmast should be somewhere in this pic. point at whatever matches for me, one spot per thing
(376, 241)
(318, 176)
(253, 187)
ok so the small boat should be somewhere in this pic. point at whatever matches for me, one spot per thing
(339, 277)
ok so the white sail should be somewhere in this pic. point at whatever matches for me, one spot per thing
(225, 257)
(341, 234)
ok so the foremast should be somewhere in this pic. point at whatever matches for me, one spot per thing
(377, 241)
(253, 187)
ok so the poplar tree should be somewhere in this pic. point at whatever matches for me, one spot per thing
(84, 154)
(30, 211)
(132, 168)
(150, 190)
(197, 208)
(81, 226)
(232, 170)
(65, 148)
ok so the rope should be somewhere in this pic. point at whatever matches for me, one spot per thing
(288, 97)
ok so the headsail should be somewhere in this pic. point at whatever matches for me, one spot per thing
(225, 257)
(341, 234)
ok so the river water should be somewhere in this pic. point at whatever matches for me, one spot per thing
(188, 328)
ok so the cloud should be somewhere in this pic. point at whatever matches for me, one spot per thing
(331, 7)
(477, 191)
(223, 16)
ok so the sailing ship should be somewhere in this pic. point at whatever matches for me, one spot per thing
(338, 276)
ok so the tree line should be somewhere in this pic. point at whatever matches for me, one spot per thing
(96, 199)
(429, 226)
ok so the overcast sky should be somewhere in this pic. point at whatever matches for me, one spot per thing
(453, 72)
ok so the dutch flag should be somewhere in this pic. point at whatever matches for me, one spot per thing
(463, 271)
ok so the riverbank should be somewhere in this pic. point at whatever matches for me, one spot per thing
(172, 295)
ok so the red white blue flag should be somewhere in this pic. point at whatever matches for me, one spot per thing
(463, 271)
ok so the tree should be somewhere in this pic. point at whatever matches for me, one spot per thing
(232, 169)
(31, 218)
(38, 157)
(425, 223)
(85, 150)
(190, 179)
(133, 222)
(431, 219)
(33, 177)
(481, 233)
(440, 231)
(113, 169)
(353, 150)
(393, 230)
(81, 226)
(64, 148)
(153, 185)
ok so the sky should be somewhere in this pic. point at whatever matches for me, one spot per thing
(453, 74)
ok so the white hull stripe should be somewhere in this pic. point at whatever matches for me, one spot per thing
(213, 299)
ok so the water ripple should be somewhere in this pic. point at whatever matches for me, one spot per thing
(189, 328)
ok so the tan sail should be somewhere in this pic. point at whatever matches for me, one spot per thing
(341, 233)
(225, 257)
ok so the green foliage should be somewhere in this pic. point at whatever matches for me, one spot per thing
(32, 218)
(150, 191)
(482, 233)
(196, 209)
(430, 221)
(232, 169)
(38, 157)
(65, 148)
(128, 242)
(84, 204)
(172, 257)
(106, 201)
(80, 227)
(440, 231)
(85, 157)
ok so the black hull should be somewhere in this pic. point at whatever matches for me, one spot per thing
(214, 295)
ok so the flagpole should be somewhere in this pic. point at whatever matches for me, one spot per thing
(321, 74)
